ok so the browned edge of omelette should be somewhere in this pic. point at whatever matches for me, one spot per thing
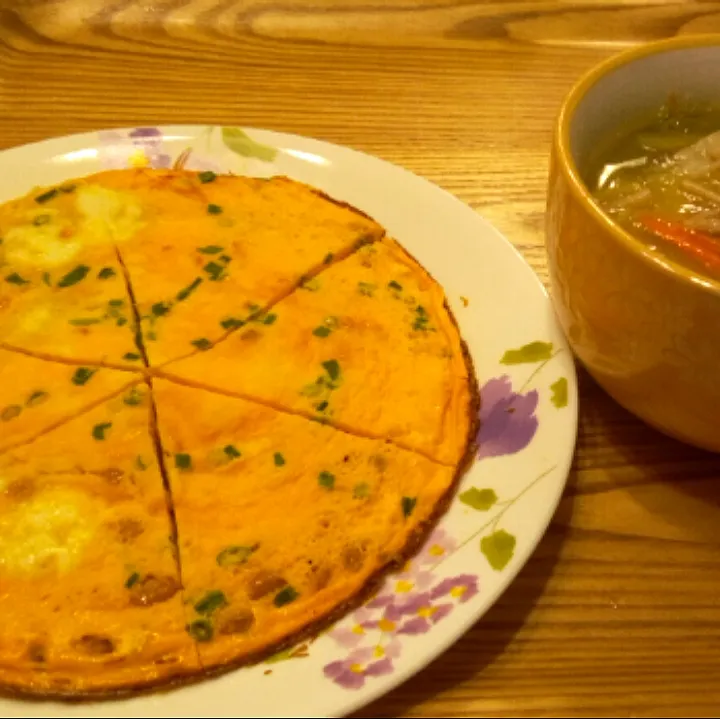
(310, 631)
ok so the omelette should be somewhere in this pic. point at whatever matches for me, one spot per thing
(228, 406)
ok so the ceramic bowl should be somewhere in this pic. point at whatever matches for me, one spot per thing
(647, 329)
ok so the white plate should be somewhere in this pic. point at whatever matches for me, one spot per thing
(527, 438)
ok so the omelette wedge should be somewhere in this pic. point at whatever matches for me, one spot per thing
(91, 593)
(282, 521)
(370, 347)
(63, 293)
(37, 395)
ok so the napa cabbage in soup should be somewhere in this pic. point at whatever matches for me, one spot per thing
(662, 183)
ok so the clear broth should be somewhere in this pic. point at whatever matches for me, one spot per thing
(661, 181)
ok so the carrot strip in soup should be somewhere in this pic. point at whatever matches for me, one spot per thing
(702, 246)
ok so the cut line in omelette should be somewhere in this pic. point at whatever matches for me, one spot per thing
(282, 521)
(215, 249)
(370, 347)
(37, 395)
(62, 288)
(91, 595)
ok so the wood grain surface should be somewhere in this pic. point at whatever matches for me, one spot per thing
(618, 612)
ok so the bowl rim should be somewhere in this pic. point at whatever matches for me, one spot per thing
(567, 165)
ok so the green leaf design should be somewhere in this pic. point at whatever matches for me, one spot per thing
(498, 548)
(480, 499)
(240, 143)
(533, 352)
(559, 393)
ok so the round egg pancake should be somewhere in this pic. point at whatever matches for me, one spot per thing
(228, 406)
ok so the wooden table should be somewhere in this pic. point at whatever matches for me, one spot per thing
(618, 612)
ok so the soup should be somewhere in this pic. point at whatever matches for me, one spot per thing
(662, 183)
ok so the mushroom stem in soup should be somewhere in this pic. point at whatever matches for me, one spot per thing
(661, 182)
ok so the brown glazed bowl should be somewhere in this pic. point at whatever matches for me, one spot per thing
(645, 328)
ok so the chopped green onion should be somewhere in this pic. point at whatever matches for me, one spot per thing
(15, 279)
(231, 323)
(132, 579)
(106, 273)
(285, 596)
(100, 429)
(36, 398)
(185, 293)
(332, 368)
(74, 276)
(408, 505)
(82, 375)
(133, 397)
(210, 249)
(183, 461)
(46, 196)
(200, 630)
(213, 600)
(326, 480)
(214, 270)
(234, 555)
(231, 451)
(366, 289)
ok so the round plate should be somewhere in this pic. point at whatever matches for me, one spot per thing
(506, 499)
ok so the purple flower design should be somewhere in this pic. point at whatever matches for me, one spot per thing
(353, 632)
(411, 603)
(351, 672)
(507, 418)
(150, 141)
(417, 612)
(142, 147)
(402, 587)
(462, 588)
(438, 545)
(427, 616)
